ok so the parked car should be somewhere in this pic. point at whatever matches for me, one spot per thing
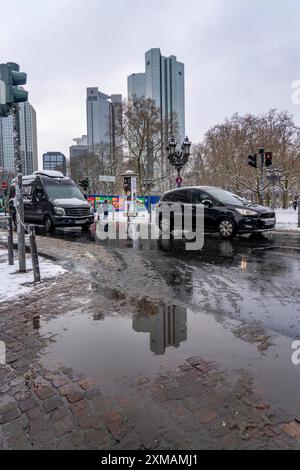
(224, 212)
(53, 200)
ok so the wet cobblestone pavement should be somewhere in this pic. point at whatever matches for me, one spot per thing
(194, 405)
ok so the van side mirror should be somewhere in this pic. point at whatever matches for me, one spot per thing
(207, 203)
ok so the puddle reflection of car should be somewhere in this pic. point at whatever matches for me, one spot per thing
(224, 212)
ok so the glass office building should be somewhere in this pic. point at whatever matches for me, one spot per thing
(28, 142)
(102, 111)
(163, 81)
(55, 161)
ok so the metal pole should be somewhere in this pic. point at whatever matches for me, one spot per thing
(34, 254)
(298, 200)
(273, 192)
(261, 175)
(10, 241)
(19, 204)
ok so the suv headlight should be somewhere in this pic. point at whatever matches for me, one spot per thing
(59, 211)
(246, 212)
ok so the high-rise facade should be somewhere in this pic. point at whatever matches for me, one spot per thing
(163, 82)
(28, 141)
(102, 112)
(136, 85)
(78, 157)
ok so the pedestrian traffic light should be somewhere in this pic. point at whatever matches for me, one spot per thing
(127, 185)
(252, 160)
(269, 159)
(84, 184)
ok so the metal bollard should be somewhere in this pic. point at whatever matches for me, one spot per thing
(10, 241)
(34, 254)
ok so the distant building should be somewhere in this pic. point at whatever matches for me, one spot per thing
(102, 112)
(163, 82)
(136, 85)
(55, 161)
(28, 142)
(78, 157)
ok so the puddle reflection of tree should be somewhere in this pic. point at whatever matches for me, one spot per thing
(166, 324)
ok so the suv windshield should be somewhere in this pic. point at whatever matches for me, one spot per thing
(63, 191)
(225, 196)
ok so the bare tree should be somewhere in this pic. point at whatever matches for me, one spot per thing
(145, 136)
(221, 159)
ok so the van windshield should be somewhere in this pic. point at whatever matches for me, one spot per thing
(63, 191)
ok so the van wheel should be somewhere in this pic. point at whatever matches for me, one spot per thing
(49, 224)
(226, 229)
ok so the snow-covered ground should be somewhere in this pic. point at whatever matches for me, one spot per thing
(13, 284)
(287, 219)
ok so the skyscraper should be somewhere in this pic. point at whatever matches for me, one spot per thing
(28, 141)
(78, 157)
(163, 82)
(101, 115)
(136, 85)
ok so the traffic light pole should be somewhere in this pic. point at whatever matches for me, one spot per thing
(261, 175)
(19, 203)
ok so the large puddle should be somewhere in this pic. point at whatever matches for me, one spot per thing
(116, 350)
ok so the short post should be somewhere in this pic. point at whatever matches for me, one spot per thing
(34, 254)
(10, 241)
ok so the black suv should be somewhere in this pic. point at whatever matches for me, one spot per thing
(52, 199)
(224, 212)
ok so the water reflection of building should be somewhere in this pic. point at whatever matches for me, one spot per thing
(167, 325)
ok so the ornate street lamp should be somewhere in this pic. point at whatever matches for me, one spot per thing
(179, 158)
(274, 175)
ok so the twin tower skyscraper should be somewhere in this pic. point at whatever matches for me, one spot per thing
(162, 81)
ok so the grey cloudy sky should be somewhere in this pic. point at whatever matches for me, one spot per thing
(240, 55)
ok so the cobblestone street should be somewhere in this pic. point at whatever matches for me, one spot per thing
(195, 405)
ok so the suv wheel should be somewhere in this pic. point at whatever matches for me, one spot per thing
(226, 228)
(166, 225)
(49, 224)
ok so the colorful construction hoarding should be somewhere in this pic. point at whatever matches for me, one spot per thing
(119, 203)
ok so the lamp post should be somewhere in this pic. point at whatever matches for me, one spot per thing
(274, 175)
(179, 158)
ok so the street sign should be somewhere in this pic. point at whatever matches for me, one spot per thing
(4, 185)
(178, 180)
(107, 179)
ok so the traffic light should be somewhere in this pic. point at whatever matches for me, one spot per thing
(269, 159)
(127, 185)
(84, 184)
(10, 80)
(252, 160)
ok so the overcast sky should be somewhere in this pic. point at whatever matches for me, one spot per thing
(239, 55)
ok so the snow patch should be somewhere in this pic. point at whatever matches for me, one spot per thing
(14, 284)
(287, 219)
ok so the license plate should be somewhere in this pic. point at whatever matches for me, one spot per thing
(80, 222)
(269, 222)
